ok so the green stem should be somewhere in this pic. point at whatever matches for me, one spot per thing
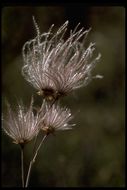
(33, 160)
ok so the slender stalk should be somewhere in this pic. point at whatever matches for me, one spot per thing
(34, 147)
(22, 165)
(33, 160)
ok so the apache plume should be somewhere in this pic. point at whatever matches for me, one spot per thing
(55, 118)
(21, 126)
(55, 66)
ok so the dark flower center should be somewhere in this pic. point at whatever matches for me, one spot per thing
(50, 94)
(48, 130)
(21, 142)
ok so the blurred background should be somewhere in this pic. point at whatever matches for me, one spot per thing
(93, 153)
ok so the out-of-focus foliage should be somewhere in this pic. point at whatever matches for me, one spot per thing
(93, 154)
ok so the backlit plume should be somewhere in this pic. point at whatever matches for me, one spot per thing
(55, 66)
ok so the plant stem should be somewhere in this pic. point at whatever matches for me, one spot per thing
(22, 165)
(34, 147)
(33, 160)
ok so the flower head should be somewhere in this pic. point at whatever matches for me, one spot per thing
(55, 66)
(22, 125)
(55, 118)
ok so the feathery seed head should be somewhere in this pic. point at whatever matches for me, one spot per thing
(21, 126)
(55, 66)
(55, 118)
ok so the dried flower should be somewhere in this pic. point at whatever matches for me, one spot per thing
(55, 118)
(21, 126)
(55, 66)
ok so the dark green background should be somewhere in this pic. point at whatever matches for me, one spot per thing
(92, 154)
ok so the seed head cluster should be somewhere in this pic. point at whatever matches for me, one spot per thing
(54, 66)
